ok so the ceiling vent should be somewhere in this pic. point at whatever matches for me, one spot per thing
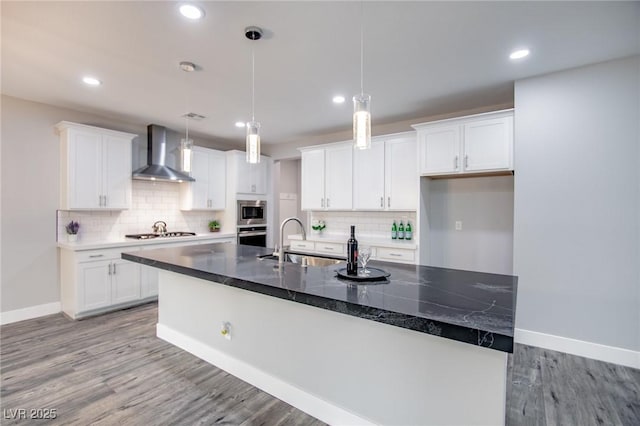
(193, 116)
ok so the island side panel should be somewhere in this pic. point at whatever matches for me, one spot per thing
(333, 365)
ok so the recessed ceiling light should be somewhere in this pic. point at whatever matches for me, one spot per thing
(192, 12)
(91, 81)
(240, 124)
(338, 99)
(519, 54)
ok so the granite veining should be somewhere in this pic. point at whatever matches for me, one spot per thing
(471, 307)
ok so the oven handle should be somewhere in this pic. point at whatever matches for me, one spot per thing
(251, 234)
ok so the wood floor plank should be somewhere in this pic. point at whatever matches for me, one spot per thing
(112, 369)
(525, 402)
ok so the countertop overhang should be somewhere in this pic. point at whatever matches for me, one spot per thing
(471, 307)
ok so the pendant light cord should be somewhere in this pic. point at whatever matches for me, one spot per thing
(186, 120)
(362, 47)
(253, 83)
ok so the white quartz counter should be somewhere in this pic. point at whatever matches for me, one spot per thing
(129, 242)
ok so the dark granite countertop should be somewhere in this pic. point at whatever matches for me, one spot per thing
(471, 307)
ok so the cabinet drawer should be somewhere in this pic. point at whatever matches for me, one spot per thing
(331, 248)
(303, 245)
(93, 255)
(396, 255)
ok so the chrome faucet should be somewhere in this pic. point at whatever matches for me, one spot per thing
(159, 227)
(284, 222)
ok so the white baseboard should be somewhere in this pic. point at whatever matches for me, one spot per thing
(30, 312)
(591, 350)
(292, 395)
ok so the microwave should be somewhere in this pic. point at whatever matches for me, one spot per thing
(252, 212)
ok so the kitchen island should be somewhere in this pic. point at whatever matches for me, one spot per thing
(428, 346)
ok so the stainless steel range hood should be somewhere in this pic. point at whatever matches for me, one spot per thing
(156, 169)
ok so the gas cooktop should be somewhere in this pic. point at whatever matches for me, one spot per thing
(165, 235)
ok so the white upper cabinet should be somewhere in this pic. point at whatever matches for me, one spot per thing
(481, 143)
(208, 192)
(250, 178)
(385, 177)
(312, 191)
(401, 174)
(338, 175)
(369, 177)
(327, 177)
(95, 168)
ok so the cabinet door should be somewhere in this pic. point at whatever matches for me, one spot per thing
(440, 150)
(85, 170)
(488, 144)
(401, 174)
(94, 285)
(259, 174)
(368, 177)
(312, 191)
(199, 190)
(339, 177)
(117, 172)
(125, 282)
(217, 178)
(251, 178)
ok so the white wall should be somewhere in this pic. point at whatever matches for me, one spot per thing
(577, 203)
(30, 192)
(484, 205)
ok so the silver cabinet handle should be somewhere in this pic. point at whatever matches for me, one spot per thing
(329, 248)
(96, 255)
(321, 202)
(456, 162)
(328, 202)
(388, 201)
(109, 269)
(114, 269)
(395, 254)
(381, 201)
(100, 200)
(105, 200)
(466, 161)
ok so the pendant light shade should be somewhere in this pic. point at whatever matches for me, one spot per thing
(362, 102)
(362, 121)
(253, 142)
(186, 151)
(253, 127)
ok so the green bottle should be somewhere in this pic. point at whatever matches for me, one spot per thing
(408, 232)
(401, 231)
(394, 231)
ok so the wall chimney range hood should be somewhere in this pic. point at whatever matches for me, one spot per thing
(156, 169)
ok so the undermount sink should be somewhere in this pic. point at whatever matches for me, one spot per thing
(297, 258)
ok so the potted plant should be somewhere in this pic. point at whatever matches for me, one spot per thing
(72, 229)
(214, 226)
(318, 226)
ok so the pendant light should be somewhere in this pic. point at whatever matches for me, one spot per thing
(186, 150)
(253, 127)
(362, 102)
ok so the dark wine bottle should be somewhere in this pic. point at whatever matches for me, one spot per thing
(352, 253)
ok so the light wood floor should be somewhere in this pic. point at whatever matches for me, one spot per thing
(113, 370)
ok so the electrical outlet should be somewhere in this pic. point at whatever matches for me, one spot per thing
(458, 225)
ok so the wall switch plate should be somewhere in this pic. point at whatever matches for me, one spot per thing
(458, 225)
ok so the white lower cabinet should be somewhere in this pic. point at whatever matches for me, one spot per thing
(335, 249)
(97, 281)
(394, 255)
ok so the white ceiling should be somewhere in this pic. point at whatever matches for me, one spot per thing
(421, 58)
